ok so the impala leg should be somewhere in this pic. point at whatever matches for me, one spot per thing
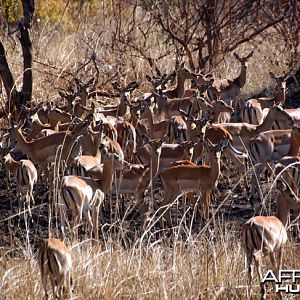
(250, 276)
(76, 218)
(60, 286)
(206, 203)
(54, 287)
(169, 197)
(44, 278)
(20, 200)
(67, 293)
(87, 215)
(257, 259)
(95, 218)
(142, 207)
(255, 180)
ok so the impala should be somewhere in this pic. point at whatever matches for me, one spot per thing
(221, 111)
(121, 109)
(245, 131)
(216, 135)
(191, 178)
(107, 128)
(158, 82)
(271, 146)
(266, 235)
(168, 108)
(46, 149)
(55, 262)
(229, 89)
(25, 176)
(81, 92)
(294, 114)
(289, 167)
(253, 110)
(138, 177)
(199, 84)
(56, 116)
(83, 163)
(126, 139)
(156, 130)
(169, 154)
(84, 196)
(139, 125)
(182, 75)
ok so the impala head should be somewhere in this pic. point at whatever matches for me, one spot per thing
(202, 80)
(245, 59)
(279, 113)
(222, 106)
(185, 73)
(117, 160)
(155, 144)
(126, 91)
(280, 81)
(216, 150)
(289, 198)
(160, 82)
(69, 97)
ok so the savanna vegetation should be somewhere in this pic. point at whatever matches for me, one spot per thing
(48, 49)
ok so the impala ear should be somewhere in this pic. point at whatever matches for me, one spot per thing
(146, 139)
(62, 94)
(181, 66)
(272, 75)
(236, 56)
(250, 54)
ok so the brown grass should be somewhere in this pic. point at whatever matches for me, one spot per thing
(209, 266)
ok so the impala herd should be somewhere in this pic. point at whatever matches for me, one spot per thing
(176, 136)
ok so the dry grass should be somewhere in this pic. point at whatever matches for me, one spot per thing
(199, 268)
(209, 266)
